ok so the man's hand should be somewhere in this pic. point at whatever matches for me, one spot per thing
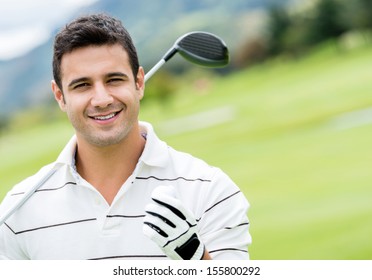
(171, 226)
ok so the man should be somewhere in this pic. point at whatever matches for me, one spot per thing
(119, 191)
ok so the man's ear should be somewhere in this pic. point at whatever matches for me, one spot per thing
(58, 95)
(140, 83)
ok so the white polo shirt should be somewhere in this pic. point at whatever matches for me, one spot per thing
(67, 218)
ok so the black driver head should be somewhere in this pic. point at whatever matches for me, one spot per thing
(203, 48)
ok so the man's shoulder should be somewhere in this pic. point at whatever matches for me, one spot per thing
(189, 164)
(24, 185)
(31, 180)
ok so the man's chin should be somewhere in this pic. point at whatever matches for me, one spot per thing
(103, 140)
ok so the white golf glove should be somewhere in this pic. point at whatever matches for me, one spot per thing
(171, 226)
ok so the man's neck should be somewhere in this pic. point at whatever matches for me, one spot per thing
(107, 168)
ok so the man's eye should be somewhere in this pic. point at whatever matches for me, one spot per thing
(82, 85)
(115, 80)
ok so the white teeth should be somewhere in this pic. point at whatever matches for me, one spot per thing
(102, 118)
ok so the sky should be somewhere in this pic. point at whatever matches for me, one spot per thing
(25, 24)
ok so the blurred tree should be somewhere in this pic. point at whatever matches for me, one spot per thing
(4, 123)
(278, 25)
(297, 31)
(160, 88)
(358, 14)
(326, 22)
(295, 40)
(251, 52)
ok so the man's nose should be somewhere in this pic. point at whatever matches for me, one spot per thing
(101, 97)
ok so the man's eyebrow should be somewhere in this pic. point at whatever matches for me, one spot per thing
(117, 74)
(78, 80)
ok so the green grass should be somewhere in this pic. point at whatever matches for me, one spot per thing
(308, 180)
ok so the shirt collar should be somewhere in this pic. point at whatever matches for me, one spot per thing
(155, 152)
(67, 156)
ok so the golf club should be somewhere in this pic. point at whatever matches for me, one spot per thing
(198, 47)
(202, 48)
(28, 194)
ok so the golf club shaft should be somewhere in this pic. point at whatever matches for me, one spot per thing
(156, 67)
(27, 195)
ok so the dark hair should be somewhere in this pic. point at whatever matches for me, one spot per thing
(96, 29)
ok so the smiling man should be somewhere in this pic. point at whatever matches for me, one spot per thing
(119, 191)
(101, 97)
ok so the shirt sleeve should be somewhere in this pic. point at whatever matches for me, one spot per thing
(9, 247)
(2, 245)
(3, 254)
(224, 224)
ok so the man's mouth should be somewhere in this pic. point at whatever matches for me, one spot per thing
(105, 117)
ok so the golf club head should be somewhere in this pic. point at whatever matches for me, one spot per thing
(203, 48)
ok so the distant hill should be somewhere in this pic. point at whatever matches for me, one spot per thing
(154, 26)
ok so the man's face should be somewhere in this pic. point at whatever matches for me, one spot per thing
(100, 95)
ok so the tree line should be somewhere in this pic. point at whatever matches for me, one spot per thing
(295, 30)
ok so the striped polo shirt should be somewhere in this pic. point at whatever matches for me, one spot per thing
(67, 218)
